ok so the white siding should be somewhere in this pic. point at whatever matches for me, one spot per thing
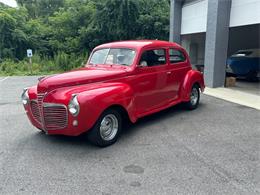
(244, 12)
(194, 17)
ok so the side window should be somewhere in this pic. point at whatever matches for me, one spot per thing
(176, 56)
(153, 58)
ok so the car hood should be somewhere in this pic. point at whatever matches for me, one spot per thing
(78, 77)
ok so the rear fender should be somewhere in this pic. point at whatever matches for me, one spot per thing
(190, 79)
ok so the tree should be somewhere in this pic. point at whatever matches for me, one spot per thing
(13, 39)
(153, 19)
(41, 8)
(117, 19)
(74, 27)
(7, 24)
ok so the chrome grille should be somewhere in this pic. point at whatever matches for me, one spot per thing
(55, 116)
(50, 116)
(35, 111)
(40, 97)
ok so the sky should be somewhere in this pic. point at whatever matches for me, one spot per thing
(11, 3)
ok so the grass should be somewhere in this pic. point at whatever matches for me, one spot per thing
(22, 68)
(3, 74)
(41, 65)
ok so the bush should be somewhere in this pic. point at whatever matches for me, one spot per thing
(42, 65)
(67, 62)
(10, 67)
(61, 59)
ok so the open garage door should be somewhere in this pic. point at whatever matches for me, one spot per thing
(244, 12)
(243, 61)
(195, 46)
(243, 37)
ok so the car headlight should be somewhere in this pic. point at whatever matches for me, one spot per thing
(74, 105)
(25, 96)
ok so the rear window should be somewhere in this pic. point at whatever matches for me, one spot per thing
(176, 56)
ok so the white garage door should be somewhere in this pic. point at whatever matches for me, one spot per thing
(244, 12)
(194, 17)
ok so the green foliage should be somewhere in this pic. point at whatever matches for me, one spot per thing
(154, 19)
(39, 8)
(11, 67)
(62, 33)
(118, 19)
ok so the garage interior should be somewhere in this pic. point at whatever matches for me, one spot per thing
(241, 38)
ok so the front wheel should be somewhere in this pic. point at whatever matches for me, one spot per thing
(107, 129)
(194, 98)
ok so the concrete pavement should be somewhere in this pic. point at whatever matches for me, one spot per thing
(212, 150)
(235, 96)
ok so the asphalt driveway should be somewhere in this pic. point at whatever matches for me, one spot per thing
(212, 150)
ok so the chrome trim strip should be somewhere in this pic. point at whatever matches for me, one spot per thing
(41, 109)
(54, 105)
(35, 101)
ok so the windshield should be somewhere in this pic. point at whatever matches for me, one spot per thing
(121, 56)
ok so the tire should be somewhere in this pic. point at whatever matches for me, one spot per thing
(107, 128)
(194, 98)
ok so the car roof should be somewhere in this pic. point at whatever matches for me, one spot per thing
(138, 44)
(254, 52)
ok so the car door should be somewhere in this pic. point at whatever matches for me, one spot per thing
(177, 69)
(150, 80)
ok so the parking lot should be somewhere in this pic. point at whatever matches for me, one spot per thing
(212, 150)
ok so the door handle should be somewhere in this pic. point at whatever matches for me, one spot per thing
(168, 73)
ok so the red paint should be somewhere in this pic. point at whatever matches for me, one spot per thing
(140, 91)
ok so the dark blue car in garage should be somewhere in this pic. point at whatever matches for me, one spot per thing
(244, 63)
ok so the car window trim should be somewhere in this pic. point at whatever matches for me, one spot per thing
(173, 63)
(154, 48)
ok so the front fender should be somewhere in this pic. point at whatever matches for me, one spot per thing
(94, 99)
(190, 79)
(97, 100)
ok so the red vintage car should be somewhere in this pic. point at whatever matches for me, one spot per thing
(121, 81)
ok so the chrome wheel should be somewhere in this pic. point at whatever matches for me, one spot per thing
(109, 127)
(194, 96)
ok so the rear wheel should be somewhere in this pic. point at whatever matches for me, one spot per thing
(107, 129)
(194, 98)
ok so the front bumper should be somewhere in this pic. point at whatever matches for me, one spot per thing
(44, 124)
(229, 70)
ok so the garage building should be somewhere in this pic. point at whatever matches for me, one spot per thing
(212, 30)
